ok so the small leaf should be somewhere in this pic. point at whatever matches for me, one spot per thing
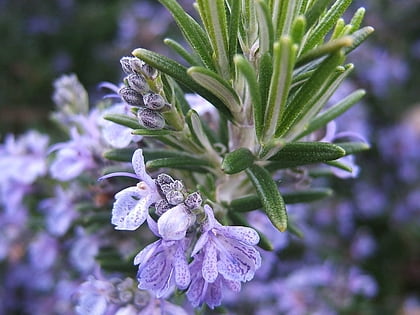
(237, 161)
(265, 27)
(123, 120)
(217, 86)
(122, 155)
(234, 28)
(309, 93)
(150, 132)
(326, 23)
(359, 37)
(183, 162)
(269, 195)
(357, 19)
(238, 219)
(326, 49)
(284, 58)
(333, 112)
(340, 165)
(192, 31)
(197, 131)
(353, 147)
(248, 72)
(316, 11)
(180, 50)
(302, 153)
(298, 29)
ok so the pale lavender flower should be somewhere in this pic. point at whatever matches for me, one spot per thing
(59, 210)
(174, 223)
(116, 135)
(73, 157)
(43, 252)
(83, 251)
(202, 291)
(131, 207)
(163, 265)
(229, 250)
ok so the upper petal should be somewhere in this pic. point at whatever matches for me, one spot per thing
(140, 168)
(174, 223)
(130, 209)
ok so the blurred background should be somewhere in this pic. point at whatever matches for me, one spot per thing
(40, 40)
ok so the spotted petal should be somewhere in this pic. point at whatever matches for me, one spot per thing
(140, 169)
(130, 209)
(243, 234)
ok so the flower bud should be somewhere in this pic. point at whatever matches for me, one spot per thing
(150, 119)
(149, 71)
(153, 101)
(162, 206)
(175, 222)
(131, 97)
(174, 197)
(177, 185)
(131, 65)
(137, 82)
(164, 179)
(193, 201)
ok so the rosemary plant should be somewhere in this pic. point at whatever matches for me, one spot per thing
(264, 71)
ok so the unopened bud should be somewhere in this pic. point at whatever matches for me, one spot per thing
(149, 71)
(174, 197)
(193, 201)
(131, 65)
(164, 179)
(177, 185)
(137, 82)
(153, 101)
(150, 119)
(162, 206)
(131, 97)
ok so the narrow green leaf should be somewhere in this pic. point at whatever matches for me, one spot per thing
(184, 162)
(121, 155)
(359, 37)
(179, 73)
(326, 23)
(180, 50)
(325, 49)
(338, 29)
(303, 153)
(353, 147)
(149, 132)
(287, 11)
(217, 86)
(309, 195)
(309, 93)
(192, 31)
(238, 219)
(197, 131)
(235, 12)
(264, 78)
(333, 112)
(265, 27)
(214, 13)
(248, 72)
(252, 202)
(357, 19)
(154, 154)
(272, 201)
(237, 161)
(284, 58)
(298, 29)
(123, 120)
(340, 165)
(316, 11)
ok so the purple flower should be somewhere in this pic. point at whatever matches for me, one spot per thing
(202, 291)
(131, 207)
(163, 265)
(229, 250)
(73, 157)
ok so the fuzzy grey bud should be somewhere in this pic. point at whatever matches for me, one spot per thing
(131, 97)
(131, 65)
(164, 179)
(153, 101)
(177, 185)
(150, 119)
(137, 82)
(162, 206)
(174, 197)
(193, 201)
(149, 71)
